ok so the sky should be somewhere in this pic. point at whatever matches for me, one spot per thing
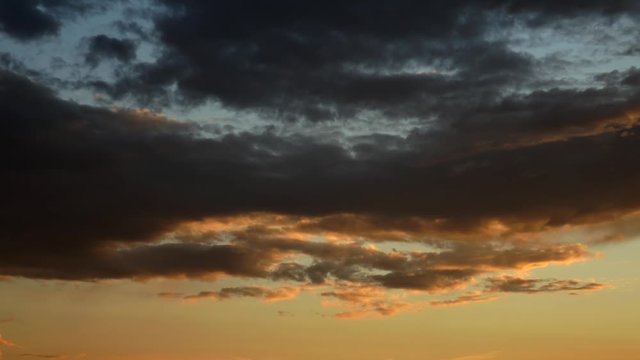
(349, 180)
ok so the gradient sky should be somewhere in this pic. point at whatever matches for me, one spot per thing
(286, 180)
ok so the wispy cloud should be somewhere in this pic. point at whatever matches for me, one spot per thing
(5, 343)
(45, 356)
(533, 286)
(472, 297)
(53, 356)
(266, 294)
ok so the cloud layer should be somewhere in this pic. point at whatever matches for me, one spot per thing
(368, 159)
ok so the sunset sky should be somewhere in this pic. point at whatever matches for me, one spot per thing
(315, 180)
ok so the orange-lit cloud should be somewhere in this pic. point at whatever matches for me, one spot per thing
(170, 295)
(5, 343)
(468, 298)
(358, 301)
(362, 273)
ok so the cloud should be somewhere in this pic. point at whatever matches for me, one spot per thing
(359, 301)
(24, 20)
(435, 153)
(468, 298)
(169, 176)
(267, 294)
(103, 47)
(297, 62)
(252, 170)
(143, 196)
(283, 313)
(5, 343)
(8, 319)
(45, 356)
(428, 280)
(170, 295)
(624, 228)
(533, 286)
(169, 261)
(27, 20)
(52, 356)
(361, 275)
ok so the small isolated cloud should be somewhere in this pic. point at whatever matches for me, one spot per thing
(283, 313)
(468, 298)
(5, 343)
(170, 295)
(53, 356)
(45, 356)
(266, 294)
(533, 286)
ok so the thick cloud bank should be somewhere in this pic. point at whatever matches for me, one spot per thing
(475, 149)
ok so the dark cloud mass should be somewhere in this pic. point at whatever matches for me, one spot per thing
(375, 146)
(333, 60)
(104, 47)
(99, 182)
(34, 19)
(24, 20)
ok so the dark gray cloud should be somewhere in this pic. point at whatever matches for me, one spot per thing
(183, 260)
(569, 8)
(132, 28)
(336, 59)
(102, 47)
(25, 21)
(97, 182)
(315, 72)
(33, 19)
